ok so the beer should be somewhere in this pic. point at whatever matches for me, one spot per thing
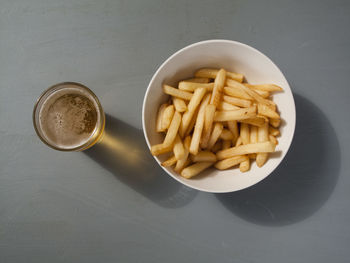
(69, 117)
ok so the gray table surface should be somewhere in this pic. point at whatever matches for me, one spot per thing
(96, 207)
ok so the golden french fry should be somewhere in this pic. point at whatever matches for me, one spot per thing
(267, 111)
(179, 149)
(192, 123)
(218, 87)
(167, 116)
(198, 80)
(264, 87)
(160, 148)
(226, 135)
(177, 93)
(237, 101)
(264, 94)
(179, 104)
(239, 141)
(226, 144)
(192, 86)
(233, 127)
(159, 118)
(218, 127)
(169, 162)
(224, 106)
(230, 162)
(273, 131)
(197, 133)
(236, 92)
(275, 122)
(217, 146)
(253, 134)
(256, 121)
(208, 123)
(245, 133)
(263, 136)
(244, 166)
(173, 129)
(195, 169)
(192, 106)
(211, 73)
(257, 97)
(234, 115)
(273, 139)
(204, 156)
(246, 149)
(181, 163)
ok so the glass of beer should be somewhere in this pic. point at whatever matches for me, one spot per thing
(69, 117)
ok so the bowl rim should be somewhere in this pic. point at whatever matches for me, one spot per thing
(203, 43)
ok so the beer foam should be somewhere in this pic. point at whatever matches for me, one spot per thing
(68, 117)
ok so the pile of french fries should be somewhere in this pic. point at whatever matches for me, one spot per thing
(216, 119)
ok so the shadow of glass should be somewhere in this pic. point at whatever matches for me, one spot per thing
(123, 151)
(304, 180)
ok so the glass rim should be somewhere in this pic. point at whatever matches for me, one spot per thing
(91, 140)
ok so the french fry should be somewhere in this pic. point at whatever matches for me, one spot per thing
(217, 146)
(245, 133)
(263, 136)
(253, 134)
(169, 162)
(273, 139)
(257, 97)
(233, 127)
(218, 127)
(192, 86)
(237, 101)
(195, 169)
(211, 73)
(173, 129)
(256, 121)
(264, 87)
(158, 149)
(239, 141)
(180, 164)
(236, 92)
(218, 87)
(198, 80)
(252, 156)
(226, 144)
(273, 131)
(179, 149)
(159, 118)
(241, 114)
(224, 106)
(167, 116)
(192, 106)
(177, 93)
(275, 122)
(226, 135)
(204, 156)
(230, 162)
(196, 137)
(244, 166)
(179, 104)
(267, 111)
(192, 123)
(208, 123)
(263, 94)
(246, 149)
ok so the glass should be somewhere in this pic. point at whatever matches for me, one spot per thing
(69, 117)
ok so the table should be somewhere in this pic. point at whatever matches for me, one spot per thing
(94, 207)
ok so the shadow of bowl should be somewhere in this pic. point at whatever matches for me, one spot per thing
(304, 180)
(123, 151)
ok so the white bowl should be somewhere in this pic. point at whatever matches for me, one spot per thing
(233, 56)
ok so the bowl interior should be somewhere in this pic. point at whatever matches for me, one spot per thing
(236, 57)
